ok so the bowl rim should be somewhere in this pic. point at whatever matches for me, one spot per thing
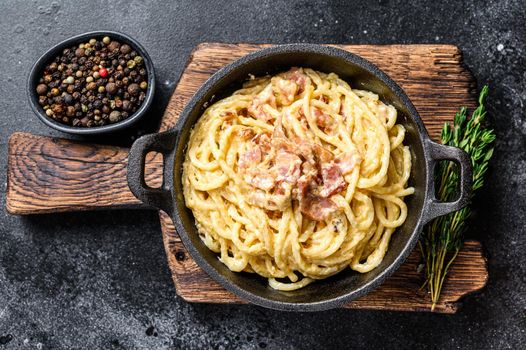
(199, 96)
(47, 56)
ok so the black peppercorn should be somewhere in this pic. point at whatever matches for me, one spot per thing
(134, 89)
(57, 109)
(70, 111)
(111, 88)
(42, 89)
(94, 83)
(114, 45)
(68, 99)
(115, 116)
(126, 105)
(125, 49)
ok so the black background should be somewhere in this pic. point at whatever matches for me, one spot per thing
(100, 280)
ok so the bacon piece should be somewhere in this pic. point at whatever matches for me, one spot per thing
(296, 75)
(347, 161)
(322, 119)
(263, 141)
(287, 166)
(303, 120)
(323, 155)
(265, 97)
(318, 208)
(250, 157)
(313, 206)
(285, 89)
(246, 133)
(260, 179)
(333, 181)
(280, 141)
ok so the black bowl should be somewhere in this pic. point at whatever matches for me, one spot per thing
(347, 285)
(38, 68)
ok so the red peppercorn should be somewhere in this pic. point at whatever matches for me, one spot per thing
(103, 72)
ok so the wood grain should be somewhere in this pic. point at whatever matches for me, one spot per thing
(47, 175)
(51, 175)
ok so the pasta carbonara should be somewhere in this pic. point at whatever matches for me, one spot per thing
(296, 177)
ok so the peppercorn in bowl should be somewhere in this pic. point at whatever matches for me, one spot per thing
(93, 83)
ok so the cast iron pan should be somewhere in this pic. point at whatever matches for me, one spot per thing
(347, 285)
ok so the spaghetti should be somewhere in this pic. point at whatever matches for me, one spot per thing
(296, 177)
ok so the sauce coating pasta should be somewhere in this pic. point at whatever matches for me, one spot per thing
(296, 177)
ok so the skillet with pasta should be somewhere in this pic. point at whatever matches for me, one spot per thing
(296, 177)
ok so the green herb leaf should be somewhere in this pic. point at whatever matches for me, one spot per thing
(443, 237)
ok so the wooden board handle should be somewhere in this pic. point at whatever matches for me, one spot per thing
(47, 175)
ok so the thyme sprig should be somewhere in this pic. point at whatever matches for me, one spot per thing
(442, 238)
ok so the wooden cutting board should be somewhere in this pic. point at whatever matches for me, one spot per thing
(44, 173)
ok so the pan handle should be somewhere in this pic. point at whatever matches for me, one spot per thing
(163, 143)
(439, 152)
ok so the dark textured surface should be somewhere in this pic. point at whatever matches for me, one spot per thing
(100, 280)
